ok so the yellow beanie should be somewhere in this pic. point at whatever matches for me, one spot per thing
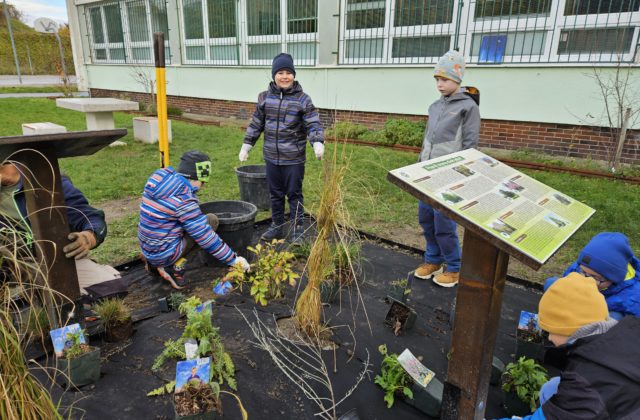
(571, 303)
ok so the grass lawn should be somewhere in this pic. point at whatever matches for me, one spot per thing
(376, 205)
(35, 89)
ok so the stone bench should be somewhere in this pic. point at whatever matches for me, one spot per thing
(32, 129)
(145, 129)
(98, 111)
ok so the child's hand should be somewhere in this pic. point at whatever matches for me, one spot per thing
(244, 152)
(318, 149)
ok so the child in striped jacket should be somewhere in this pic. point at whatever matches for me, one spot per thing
(171, 222)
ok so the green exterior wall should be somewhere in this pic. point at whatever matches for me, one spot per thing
(565, 95)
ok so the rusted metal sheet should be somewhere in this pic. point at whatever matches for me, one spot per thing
(478, 304)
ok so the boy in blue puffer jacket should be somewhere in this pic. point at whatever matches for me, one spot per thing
(610, 261)
(287, 117)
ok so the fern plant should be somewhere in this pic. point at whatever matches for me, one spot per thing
(525, 377)
(393, 378)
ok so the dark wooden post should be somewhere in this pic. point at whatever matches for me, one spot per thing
(478, 304)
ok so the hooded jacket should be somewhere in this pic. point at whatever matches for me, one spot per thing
(80, 215)
(169, 210)
(287, 118)
(600, 377)
(611, 256)
(454, 125)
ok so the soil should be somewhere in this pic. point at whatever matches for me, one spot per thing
(397, 317)
(120, 331)
(197, 400)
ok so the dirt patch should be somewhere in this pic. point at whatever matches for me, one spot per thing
(117, 209)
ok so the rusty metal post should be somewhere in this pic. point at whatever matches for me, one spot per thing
(478, 304)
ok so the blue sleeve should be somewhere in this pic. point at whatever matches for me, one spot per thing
(626, 301)
(80, 215)
(537, 415)
(571, 269)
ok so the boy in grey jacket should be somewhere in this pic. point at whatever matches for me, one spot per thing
(454, 125)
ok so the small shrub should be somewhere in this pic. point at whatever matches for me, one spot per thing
(400, 131)
(525, 377)
(174, 110)
(176, 299)
(77, 348)
(377, 136)
(346, 130)
(112, 312)
(393, 378)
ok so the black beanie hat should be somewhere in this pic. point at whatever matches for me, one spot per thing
(282, 61)
(188, 165)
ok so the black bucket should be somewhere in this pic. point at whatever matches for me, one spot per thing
(252, 180)
(236, 225)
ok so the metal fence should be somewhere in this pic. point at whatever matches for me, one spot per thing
(489, 31)
(122, 31)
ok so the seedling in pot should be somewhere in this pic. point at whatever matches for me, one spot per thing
(400, 289)
(400, 317)
(79, 362)
(195, 392)
(521, 383)
(393, 379)
(115, 317)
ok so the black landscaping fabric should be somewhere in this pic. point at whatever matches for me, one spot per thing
(265, 392)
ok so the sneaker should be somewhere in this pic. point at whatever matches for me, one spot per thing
(427, 270)
(274, 232)
(297, 237)
(447, 279)
(174, 274)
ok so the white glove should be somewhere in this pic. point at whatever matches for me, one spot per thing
(242, 263)
(244, 152)
(318, 149)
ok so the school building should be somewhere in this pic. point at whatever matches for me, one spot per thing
(536, 62)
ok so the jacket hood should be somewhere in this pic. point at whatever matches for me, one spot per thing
(161, 184)
(295, 88)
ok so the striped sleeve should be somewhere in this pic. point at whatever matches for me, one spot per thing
(256, 126)
(196, 226)
(311, 120)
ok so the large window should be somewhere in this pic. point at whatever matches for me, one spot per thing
(595, 41)
(511, 8)
(588, 7)
(122, 32)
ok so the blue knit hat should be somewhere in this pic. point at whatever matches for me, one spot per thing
(282, 61)
(608, 254)
(450, 66)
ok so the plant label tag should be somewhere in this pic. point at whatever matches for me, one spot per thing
(61, 338)
(191, 349)
(419, 372)
(528, 322)
(192, 372)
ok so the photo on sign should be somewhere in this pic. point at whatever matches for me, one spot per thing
(451, 197)
(555, 220)
(508, 194)
(61, 338)
(512, 186)
(562, 199)
(502, 228)
(192, 372)
(490, 162)
(463, 170)
(528, 321)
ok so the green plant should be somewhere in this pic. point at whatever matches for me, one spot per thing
(37, 322)
(393, 379)
(401, 283)
(269, 273)
(377, 136)
(525, 377)
(189, 305)
(346, 130)
(174, 110)
(346, 256)
(400, 131)
(176, 299)
(112, 312)
(77, 348)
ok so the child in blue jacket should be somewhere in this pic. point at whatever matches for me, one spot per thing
(287, 117)
(610, 261)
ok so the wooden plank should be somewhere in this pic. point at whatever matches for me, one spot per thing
(48, 216)
(522, 257)
(478, 304)
(71, 144)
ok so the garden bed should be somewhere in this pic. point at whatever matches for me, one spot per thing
(264, 390)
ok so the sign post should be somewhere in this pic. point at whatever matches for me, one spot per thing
(504, 212)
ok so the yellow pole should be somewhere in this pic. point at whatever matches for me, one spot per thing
(161, 102)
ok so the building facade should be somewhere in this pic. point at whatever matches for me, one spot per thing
(536, 62)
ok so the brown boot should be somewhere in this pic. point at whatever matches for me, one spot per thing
(447, 279)
(427, 270)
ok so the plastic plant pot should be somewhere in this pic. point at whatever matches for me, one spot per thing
(514, 405)
(400, 313)
(80, 371)
(163, 304)
(120, 332)
(427, 399)
(497, 369)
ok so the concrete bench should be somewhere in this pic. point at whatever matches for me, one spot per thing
(99, 111)
(32, 129)
(145, 129)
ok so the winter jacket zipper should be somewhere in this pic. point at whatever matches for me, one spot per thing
(278, 129)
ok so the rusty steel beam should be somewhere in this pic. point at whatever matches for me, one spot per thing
(478, 304)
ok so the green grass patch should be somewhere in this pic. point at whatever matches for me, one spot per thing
(35, 89)
(375, 205)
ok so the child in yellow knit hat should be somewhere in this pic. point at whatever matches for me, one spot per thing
(598, 356)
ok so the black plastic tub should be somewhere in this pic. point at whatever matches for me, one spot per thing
(236, 225)
(252, 180)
